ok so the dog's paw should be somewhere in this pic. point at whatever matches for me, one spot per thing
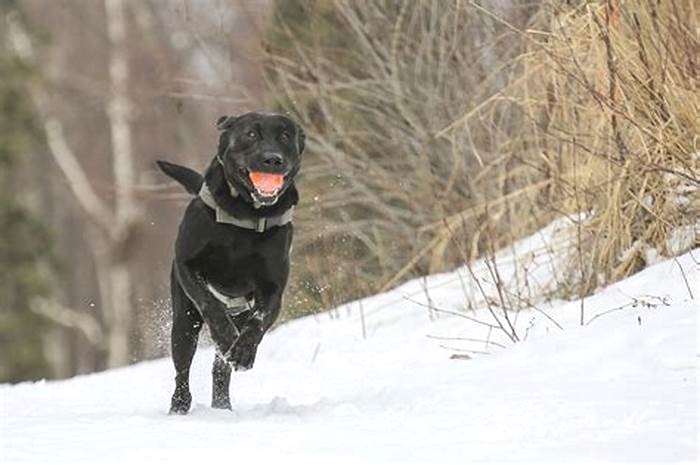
(180, 403)
(243, 356)
(221, 403)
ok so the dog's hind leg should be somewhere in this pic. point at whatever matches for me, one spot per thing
(221, 378)
(186, 325)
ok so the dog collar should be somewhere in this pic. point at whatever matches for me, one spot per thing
(261, 224)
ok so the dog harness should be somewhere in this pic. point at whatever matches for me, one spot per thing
(261, 224)
(237, 305)
(234, 305)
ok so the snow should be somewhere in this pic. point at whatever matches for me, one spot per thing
(330, 389)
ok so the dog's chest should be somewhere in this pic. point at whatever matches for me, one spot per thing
(243, 261)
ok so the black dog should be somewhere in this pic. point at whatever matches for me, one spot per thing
(232, 250)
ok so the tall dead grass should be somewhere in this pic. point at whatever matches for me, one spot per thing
(610, 97)
(374, 82)
(442, 131)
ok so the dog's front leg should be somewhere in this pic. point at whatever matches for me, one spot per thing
(222, 328)
(243, 353)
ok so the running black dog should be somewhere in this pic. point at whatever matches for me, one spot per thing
(232, 250)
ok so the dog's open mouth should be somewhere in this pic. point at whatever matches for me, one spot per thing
(267, 185)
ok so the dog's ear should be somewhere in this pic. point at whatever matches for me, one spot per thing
(301, 139)
(225, 122)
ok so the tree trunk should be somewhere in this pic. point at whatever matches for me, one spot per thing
(120, 314)
(120, 311)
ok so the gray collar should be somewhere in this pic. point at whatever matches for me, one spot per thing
(258, 224)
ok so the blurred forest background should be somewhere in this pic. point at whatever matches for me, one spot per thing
(438, 131)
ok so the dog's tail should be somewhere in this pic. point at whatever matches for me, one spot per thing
(185, 176)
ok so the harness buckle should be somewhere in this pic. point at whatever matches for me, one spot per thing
(262, 222)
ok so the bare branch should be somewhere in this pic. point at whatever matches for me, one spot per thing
(75, 175)
(70, 318)
(58, 145)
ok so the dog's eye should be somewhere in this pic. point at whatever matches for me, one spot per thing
(285, 137)
(252, 134)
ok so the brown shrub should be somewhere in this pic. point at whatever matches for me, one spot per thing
(610, 96)
(440, 131)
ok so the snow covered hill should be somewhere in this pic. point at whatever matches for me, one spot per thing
(398, 377)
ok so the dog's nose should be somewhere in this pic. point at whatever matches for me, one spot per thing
(272, 159)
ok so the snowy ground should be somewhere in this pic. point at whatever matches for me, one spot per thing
(622, 388)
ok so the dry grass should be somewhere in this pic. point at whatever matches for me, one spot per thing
(610, 98)
(441, 131)
(374, 83)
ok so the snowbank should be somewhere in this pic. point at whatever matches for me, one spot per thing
(332, 389)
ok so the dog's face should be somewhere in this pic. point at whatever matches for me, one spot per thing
(260, 154)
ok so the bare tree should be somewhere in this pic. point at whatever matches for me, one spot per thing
(124, 83)
(114, 226)
(125, 209)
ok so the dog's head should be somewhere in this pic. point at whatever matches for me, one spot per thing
(260, 154)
